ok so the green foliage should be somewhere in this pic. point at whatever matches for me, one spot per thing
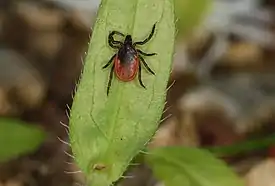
(178, 166)
(189, 14)
(107, 132)
(243, 147)
(18, 138)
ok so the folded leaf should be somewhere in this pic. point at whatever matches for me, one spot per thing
(106, 132)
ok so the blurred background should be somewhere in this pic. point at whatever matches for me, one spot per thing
(222, 93)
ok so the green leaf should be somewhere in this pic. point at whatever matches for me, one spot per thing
(189, 14)
(107, 132)
(243, 147)
(178, 166)
(18, 138)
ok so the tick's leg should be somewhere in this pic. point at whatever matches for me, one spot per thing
(118, 33)
(145, 54)
(148, 38)
(113, 43)
(139, 76)
(109, 62)
(146, 66)
(110, 79)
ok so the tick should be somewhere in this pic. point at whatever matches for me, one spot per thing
(126, 63)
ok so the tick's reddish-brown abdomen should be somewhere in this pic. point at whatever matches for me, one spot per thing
(126, 71)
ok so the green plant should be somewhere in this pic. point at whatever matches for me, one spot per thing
(182, 166)
(109, 131)
(18, 138)
(189, 14)
(106, 133)
(247, 146)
